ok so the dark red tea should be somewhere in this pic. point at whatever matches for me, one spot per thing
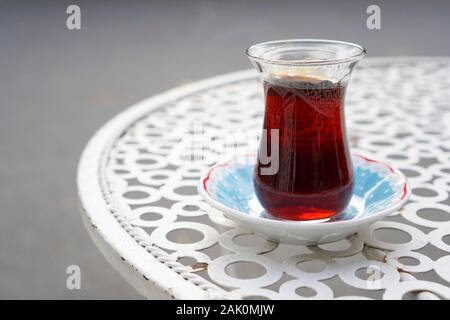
(315, 176)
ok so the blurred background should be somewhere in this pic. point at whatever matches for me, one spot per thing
(58, 86)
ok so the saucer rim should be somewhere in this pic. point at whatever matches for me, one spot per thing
(309, 225)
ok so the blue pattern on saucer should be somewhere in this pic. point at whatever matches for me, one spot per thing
(377, 187)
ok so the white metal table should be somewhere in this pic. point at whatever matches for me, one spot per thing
(137, 182)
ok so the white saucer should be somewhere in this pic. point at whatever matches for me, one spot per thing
(379, 189)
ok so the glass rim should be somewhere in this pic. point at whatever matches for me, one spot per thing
(303, 62)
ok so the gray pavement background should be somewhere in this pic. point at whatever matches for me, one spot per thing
(57, 87)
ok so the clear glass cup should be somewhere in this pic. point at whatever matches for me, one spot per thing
(304, 169)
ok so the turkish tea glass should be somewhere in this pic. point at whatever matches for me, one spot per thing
(304, 169)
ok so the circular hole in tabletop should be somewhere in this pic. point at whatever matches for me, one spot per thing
(151, 216)
(186, 190)
(306, 292)
(183, 190)
(434, 214)
(140, 195)
(381, 143)
(396, 156)
(187, 261)
(428, 192)
(153, 134)
(400, 157)
(195, 109)
(135, 195)
(249, 240)
(392, 235)
(122, 171)
(409, 261)
(245, 270)
(424, 192)
(190, 171)
(166, 146)
(146, 161)
(362, 121)
(311, 266)
(190, 208)
(155, 177)
(194, 259)
(184, 235)
(160, 177)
